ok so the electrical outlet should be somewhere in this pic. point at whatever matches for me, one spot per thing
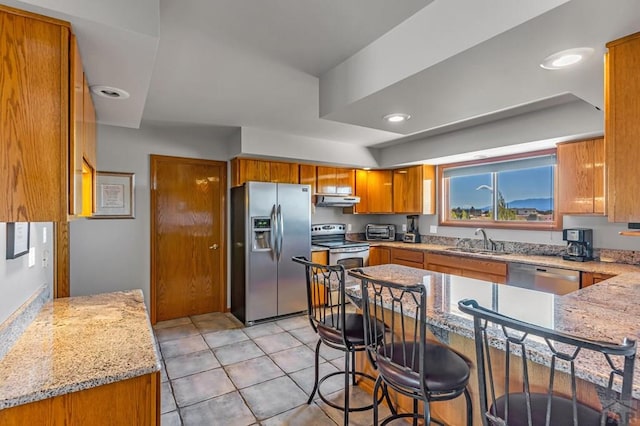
(32, 257)
(433, 229)
(404, 227)
(348, 227)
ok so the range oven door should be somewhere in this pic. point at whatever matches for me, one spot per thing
(349, 257)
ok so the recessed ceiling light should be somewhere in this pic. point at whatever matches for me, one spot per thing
(110, 92)
(566, 58)
(396, 117)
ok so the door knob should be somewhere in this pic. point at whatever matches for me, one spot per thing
(214, 247)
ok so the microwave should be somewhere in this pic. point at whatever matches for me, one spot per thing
(375, 232)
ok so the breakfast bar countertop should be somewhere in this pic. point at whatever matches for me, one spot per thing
(605, 311)
(79, 343)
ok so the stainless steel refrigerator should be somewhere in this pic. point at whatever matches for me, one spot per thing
(270, 224)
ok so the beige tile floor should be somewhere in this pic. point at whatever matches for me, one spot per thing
(218, 372)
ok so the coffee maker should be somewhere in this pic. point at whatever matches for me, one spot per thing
(579, 244)
(413, 234)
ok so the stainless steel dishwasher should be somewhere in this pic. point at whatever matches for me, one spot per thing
(543, 278)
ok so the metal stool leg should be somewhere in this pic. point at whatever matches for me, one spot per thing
(346, 388)
(317, 373)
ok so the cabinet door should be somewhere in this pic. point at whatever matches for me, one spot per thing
(622, 128)
(326, 180)
(361, 190)
(345, 181)
(245, 170)
(407, 190)
(581, 177)
(34, 100)
(76, 135)
(89, 160)
(283, 172)
(379, 191)
(379, 256)
(307, 176)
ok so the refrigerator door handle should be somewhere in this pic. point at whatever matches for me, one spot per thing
(280, 231)
(274, 232)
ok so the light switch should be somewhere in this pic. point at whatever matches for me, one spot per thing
(348, 227)
(404, 227)
(433, 229)
(44, 235)
(32, 257)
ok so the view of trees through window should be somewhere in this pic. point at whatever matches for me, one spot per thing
(508, 194)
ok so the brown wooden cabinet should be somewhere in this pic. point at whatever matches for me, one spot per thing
(34, 98)
(127, 402)
(321, 257)
(406, 257)
(622, 128)
(414, 190)
(590, 278)
(82, 140)
(379, 256)
(375, 189)
(481, 269)
(335, 180)
(247, 169)
(581, 177)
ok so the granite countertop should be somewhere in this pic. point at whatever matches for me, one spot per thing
(79, 343)
(551, 261)
(605, 311)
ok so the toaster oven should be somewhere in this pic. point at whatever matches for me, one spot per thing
(376, 232)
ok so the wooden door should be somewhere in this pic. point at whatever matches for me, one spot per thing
(188, 252)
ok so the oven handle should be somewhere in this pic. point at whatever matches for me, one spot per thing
(337, 250)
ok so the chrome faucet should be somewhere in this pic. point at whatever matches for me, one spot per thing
(484, 237)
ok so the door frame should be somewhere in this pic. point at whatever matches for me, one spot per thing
(154, 159)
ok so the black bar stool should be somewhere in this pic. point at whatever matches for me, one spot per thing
(407, 361)
(335, 327)
(497, 375)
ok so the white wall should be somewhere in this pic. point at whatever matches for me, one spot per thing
(18, 282)
(113, 254)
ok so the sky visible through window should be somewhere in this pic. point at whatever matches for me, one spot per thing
(476, 190)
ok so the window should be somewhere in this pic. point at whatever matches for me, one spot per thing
(508, 192)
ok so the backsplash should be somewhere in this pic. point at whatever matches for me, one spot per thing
(605, 255)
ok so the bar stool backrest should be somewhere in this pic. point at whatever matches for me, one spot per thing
(507, 395)
(325, 283)
(402, 309)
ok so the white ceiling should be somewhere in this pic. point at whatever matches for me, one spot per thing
(276, 64)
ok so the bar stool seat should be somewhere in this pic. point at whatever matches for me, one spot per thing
(353, 330)
(443, 369)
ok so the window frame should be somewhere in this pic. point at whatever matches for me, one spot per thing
(443, 185)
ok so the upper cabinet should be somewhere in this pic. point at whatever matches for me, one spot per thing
(82, 140)
(581, 177)
(375, 189)
(335, 180)
(246, 169)
(414, 190)
(34, 127)
(622, 128)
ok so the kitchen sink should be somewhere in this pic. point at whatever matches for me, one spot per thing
(476, 251)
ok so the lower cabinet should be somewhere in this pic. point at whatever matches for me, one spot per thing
(590, 278)
(413, 258)
(379, 256)
(128, 402)
(481, 269)
(320, 295)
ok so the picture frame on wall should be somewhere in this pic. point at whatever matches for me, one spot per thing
(17, 239)
(114, 195)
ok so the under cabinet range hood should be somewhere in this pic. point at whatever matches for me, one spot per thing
(336, 200)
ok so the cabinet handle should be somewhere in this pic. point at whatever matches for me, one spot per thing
(214, 247)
